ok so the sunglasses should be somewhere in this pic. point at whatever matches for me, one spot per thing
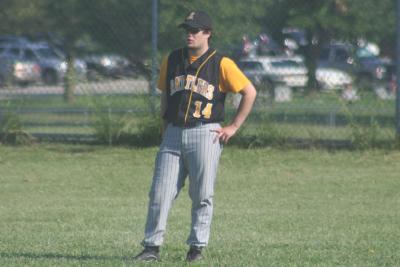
(192, 30)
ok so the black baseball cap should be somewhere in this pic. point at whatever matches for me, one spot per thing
(197, 19)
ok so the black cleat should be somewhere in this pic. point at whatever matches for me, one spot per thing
(148, 254)
(194, 254)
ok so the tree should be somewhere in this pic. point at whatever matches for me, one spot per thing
(29, 17)
(335, 19)
(375, 21)
(20, 16)
(231, 21)
(122, 26)
(322, 21)
(65, 18)
(125, 26)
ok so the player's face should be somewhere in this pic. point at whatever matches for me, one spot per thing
(197, 38)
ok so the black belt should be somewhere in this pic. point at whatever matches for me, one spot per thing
(191, 124)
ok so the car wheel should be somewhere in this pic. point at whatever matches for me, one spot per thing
(50, 77)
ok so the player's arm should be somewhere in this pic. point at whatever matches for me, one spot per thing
(162, 85)
(249, 94)
(163, 107)
(246, 103)
(235, 81)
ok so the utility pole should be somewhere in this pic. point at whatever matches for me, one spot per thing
(398, 72)
(154, 74)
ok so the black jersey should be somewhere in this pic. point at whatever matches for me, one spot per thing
(193, 89)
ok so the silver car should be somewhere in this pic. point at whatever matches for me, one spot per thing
(19, 72)
(280, 70)
(52, 63)
(254, 70)
(288, 70)
(330, 78)
(292, 72)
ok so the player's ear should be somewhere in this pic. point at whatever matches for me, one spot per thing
(208, 32)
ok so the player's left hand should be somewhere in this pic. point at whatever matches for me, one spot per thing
(225, 133)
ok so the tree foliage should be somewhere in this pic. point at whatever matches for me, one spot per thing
(124, 26)
(327, 20)
(230, 21)
(20, 16)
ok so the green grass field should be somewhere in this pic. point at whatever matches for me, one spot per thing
(65, 205)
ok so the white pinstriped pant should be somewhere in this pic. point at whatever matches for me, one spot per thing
(184, 151)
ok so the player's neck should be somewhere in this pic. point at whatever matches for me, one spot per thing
(197, 52)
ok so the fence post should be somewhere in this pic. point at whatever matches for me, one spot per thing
(154, 33)
(398, 72)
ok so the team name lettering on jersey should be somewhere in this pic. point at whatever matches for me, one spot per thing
(198, 85)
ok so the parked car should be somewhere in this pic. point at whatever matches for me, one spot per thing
(269, 72)
(329, 78)
(52, 63)
(286, 69)
(367, 70)
(14, 71)
(254, 70)
(292, 72)
(108, 66)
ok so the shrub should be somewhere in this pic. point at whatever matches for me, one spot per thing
(364, 137)
(149, 131)
(266, 134)
(109, 126)
(11, 130)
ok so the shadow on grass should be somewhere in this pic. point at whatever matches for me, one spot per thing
(50, 255)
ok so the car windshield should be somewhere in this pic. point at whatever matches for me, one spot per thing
(47, 53)
(251, 65)
(285, 64)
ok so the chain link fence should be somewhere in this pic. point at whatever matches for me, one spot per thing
(86, 70)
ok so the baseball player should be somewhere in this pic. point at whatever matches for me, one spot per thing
(194, 81)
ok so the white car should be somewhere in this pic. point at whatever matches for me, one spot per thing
(330, 78)
(254, 70)
(289, 70)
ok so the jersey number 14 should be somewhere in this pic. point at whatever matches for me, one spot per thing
(206, 112)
